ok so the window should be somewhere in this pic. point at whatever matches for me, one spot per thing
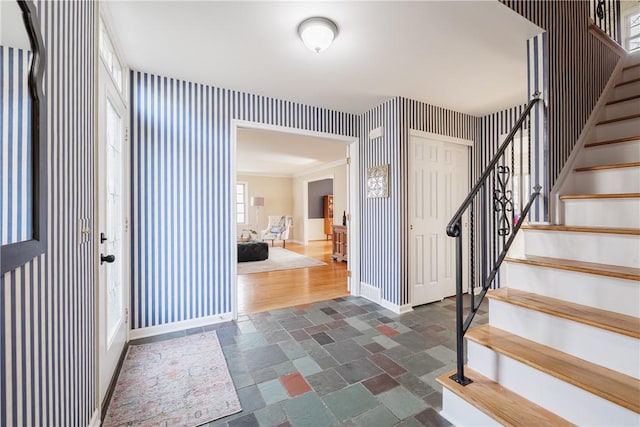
(632, 30)
(109, 56)
(241, 202)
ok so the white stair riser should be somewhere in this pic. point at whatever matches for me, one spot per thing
(567, 401)
(620, 180)
(617, 130)
(625, 91)
(613, 249)
(593, 290)
(614, 351)
(631, 74)
(623, 213)
(622, 109)
(624, 152)
(459, 412)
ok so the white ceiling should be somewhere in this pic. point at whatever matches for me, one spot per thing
(469, 56)
(264, 152)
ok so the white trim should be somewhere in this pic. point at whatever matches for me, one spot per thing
(445, 138)
(353, 207)
(95, 419)
(264, 174)
(180, 326)
(398, 309)
(370, 292)
(555, 206)
(321, 168)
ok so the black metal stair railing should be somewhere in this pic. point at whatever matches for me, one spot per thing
(496, 207)
(606, 15)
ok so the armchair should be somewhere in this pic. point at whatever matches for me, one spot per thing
(278, 229)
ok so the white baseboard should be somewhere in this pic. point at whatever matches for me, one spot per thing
(95, 419)
(179, 326)
(374, 294)
(370, 292)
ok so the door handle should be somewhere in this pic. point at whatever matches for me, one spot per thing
(103, 238)
(107, 258)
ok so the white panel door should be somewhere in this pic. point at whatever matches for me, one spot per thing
(113, 230)
(439, 177)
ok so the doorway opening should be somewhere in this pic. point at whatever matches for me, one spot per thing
(284, 206)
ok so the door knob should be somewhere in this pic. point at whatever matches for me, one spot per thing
(107, 258)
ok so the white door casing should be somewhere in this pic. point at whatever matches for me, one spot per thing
(112, 204)
(438, 183)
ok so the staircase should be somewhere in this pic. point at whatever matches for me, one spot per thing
(562, 346)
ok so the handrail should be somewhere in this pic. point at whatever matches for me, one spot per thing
(502, 204)
(451, 232)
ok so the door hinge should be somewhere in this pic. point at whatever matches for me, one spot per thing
(126, 315)
(126, 134)
(348, 273)
(348, 160)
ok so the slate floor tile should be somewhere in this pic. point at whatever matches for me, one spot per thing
(388, 365)
(273, 391)
(434, 400)
(326, 362)
(374, 347)
(340, 334)
(328, 310)
(401, 402)
(378, 417)
(420, 363)
(250, 398)
(385, 341)
(295, 384)
(308, 410)
(263, 357)
(248, 420)
(276, 336)
(350, 401)
(357, 370)
(270, 416)
(415, 341)
(263, 375)
(346, 351)
(306, 366)
(317, 317)
(300, 335)
(322, 338)
(315, 329)
(429, 417)
(295, 323)
(250, 341)
(380, 383)
(292, 349)
(415, 385)
(326, 382)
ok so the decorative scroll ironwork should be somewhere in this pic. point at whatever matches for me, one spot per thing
(600, 9)
(503, 200)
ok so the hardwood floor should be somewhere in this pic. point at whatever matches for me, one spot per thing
(285, 288)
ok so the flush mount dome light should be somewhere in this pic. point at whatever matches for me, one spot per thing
(317, 33)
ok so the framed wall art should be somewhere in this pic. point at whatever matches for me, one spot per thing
(378, 181)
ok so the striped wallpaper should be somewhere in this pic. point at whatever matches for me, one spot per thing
(182, 195)
(15, 149)
(579, 66)
(47, 312)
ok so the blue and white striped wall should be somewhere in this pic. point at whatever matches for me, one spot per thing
(15, 148)
(182, 195)
(579, 66)
(47, 358)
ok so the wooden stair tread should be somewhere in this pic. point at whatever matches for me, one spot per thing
(581, 229)
(607, 167)
(628, 67)
(615, 271)
(619, 119)
(629, 98)
(608, 320)
(613, 141)
(600, 196)
(628, 82)
(603, 382)
(499, 403)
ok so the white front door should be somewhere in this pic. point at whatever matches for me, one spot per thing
(112, 232)
(439, 182)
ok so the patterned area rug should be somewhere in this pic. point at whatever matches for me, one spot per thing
(279, 259)
(179, 382)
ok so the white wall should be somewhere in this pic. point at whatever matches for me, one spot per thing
(278, 199)
(316, 226)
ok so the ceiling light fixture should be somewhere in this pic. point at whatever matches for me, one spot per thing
(317, 33)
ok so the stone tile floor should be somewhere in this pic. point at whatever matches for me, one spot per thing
(342, 362)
